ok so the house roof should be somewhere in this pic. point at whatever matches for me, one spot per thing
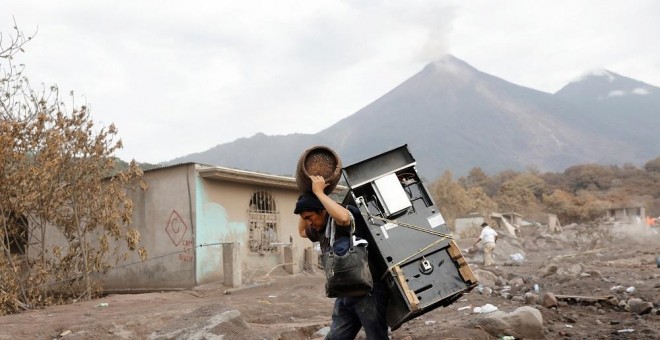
(243, 176)
(213, 172)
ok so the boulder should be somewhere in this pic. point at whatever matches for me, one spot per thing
(485, 277)
(525, 322)
(639, 306)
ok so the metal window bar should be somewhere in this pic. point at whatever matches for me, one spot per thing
(264, 220)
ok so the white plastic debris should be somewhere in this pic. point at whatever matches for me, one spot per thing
(517, 257)
(537, 289)
(626, 330)
(487, 308)
(323, 331)
(429, 322)
(568, 326)
(466, 307)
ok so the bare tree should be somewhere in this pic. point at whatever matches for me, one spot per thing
(64, 210)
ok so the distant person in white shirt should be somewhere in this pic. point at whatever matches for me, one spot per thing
(489, 236)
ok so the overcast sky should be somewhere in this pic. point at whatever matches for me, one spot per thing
(178, 77)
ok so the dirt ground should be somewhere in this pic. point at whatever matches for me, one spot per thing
(597, 264)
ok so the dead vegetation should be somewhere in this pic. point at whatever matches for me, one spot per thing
(57, 173)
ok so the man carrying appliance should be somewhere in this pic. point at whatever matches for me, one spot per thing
(350, 313)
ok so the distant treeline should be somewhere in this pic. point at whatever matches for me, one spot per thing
(581, 193)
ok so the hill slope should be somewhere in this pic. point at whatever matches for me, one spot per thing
(454, 117)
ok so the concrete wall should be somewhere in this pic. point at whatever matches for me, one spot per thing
(184, 219)
(164, 215)
(464, 223)
(627, 214)
(222, 207)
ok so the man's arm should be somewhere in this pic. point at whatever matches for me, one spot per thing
(340, 214)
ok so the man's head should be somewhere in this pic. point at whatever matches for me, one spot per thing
(484, 224)
(311, 210)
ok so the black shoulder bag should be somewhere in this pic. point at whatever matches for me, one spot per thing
(348, 274)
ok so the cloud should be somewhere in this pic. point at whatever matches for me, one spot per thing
(180, 77)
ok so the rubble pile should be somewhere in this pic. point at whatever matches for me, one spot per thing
(587, 278)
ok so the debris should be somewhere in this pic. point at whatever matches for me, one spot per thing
(517, 257)
(617, 289)
(626, 330)
(323, 331)
(582, 298)
(102, 304)
(487, 308)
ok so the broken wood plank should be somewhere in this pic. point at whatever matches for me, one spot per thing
(584, 298)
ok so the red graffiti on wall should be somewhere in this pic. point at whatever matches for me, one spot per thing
(176, 228)
(187, 254)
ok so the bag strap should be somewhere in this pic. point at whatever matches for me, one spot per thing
(330, 224)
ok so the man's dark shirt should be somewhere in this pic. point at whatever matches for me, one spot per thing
(361, 231)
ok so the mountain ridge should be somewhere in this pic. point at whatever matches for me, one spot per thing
(455, 117)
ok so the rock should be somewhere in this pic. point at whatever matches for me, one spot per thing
(500, 281)
(612, 301)
(485, 277)
(524, 322)
(639, 306)
(549, 270)
(487, 291)
(518, 298)
(323, 331)
(517, 282)
(548, 300)
(573, 270)
(571, 318)
(531, 299)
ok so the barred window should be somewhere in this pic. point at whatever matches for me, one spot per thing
(264, 220)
